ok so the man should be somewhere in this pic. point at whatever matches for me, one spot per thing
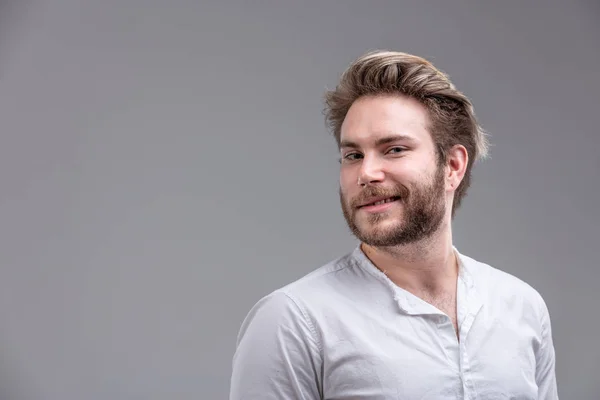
(404, 315)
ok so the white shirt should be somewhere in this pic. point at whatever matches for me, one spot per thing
(345, 331)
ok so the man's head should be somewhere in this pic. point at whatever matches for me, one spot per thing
(405, 134)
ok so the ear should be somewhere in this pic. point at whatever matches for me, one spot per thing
(456, 166)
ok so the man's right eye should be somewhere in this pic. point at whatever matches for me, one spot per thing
(351, 156)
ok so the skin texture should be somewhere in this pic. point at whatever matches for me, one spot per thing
(387, 151)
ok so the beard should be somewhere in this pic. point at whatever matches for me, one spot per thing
(423, 211)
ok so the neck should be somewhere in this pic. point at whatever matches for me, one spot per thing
(428, 266)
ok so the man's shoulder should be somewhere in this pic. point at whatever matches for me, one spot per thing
(325, 281)
(308, 295)
(320, 288)
(497, 283)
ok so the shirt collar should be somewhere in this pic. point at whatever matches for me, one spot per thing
(410, 303)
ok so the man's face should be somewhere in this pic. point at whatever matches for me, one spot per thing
(388, 154)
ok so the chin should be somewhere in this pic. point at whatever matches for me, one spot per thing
(378, 220)
(378, 230)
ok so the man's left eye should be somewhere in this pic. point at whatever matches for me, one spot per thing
(396, 150)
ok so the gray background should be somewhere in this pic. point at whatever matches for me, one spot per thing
(164, 164)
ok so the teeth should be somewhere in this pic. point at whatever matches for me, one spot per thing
(383, 201)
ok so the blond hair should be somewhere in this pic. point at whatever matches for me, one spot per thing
(452, 119)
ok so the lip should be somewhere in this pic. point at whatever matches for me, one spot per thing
(378, 207)
(374, 200)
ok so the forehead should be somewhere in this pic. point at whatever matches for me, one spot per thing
(370, 119)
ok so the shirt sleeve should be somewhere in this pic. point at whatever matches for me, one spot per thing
(545, 375)
(277, 354)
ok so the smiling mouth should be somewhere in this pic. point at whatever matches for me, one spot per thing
(376, 203)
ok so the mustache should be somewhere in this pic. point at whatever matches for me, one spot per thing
(372, 191)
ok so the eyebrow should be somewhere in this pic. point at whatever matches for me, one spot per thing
(381, 141)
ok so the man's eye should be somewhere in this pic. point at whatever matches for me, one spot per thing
(351, 156)
(396, 150)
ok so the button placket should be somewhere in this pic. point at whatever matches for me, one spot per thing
(473, 307)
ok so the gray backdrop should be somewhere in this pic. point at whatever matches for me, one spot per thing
(164, 164)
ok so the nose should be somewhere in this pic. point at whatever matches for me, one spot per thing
(370, 171)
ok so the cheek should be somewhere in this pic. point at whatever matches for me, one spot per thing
(348, 193)
(347, 182)
(410, 176)
(404, 170)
